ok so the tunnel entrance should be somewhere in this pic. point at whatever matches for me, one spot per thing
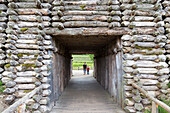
(107, 63)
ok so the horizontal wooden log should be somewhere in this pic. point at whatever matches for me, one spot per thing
(31, 5)
(167, 9)
(25, 79)
(29, 18)
(26, 0)
(167, 13)
(166, 4)
(146, 64)
(27, 46)
(26, 4)
(88, 7)
(137, 6)
(46, 5)
(33, 11)
(3, 7)
(85, 13)
(2, 19)
(27, 36)
(87, 31)
(86, 24)
(32, 18)
(24, 51)
(137, 1)
(140, 57)
(91, 2)
(146, 38)
(31, 30)
(98, 31)
(139, 13)
(25, 86)
(32, 24)
(145, 44)
(146, 30)
(138, 18)
(143, 24)
(149, 52)
(86, 18)
(148, 76)
(27, 41)
(147, 70)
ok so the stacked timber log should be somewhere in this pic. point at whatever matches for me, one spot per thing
(28, 47)
(3, 47)
(165, 89)
(87, 13)
(144, 52)
(3, 24)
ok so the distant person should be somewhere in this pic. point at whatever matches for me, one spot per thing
(88, 70)
(85, 67)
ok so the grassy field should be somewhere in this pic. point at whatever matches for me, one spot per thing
(78, 61)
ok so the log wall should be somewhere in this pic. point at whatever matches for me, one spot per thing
(61, 70)
(28, 26)
(108, 70)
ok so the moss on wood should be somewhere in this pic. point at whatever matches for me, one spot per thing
(28, 65)
(148, 48)
(8, 65)
(21, 54)
(83, 6)
(24, 29)
(27, 91)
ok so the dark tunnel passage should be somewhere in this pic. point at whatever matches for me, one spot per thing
(107, 63)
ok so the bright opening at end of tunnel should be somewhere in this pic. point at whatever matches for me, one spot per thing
(83, 63)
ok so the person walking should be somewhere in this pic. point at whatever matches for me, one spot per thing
(88, 70)
(84, 68)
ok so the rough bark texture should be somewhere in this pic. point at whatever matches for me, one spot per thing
(29, 56)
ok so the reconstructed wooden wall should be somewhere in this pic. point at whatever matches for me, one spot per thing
(61, 70)
(108, 70)
(28, 26)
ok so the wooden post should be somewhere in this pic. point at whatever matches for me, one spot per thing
(154, 107)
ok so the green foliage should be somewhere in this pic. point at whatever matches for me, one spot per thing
(78, 61)
(162, 110)
(91, 56)
(147, 111)
(168, 85)
(1, 83)
(2, 87)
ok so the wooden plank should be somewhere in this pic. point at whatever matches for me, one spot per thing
(162, 104)
(86, 24)
(154, 107)
(87, 31)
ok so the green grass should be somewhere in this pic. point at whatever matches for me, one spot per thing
(147, 111)
(168, 85)
(160, 109)
(2, 87)
(78, 61)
